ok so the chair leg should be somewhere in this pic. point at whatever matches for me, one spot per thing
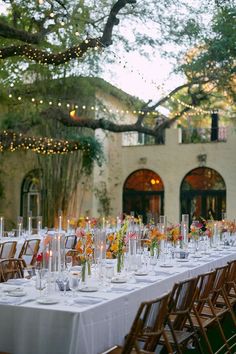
(224, 294)
(195, 335)
(167, 344)
(203, 331)
(220, 327)
(178, 349)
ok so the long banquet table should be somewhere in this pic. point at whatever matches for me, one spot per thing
(27, 327)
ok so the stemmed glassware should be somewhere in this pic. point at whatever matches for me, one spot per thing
(65, 278)
(41, 279)
(74, 281)
(69, 263)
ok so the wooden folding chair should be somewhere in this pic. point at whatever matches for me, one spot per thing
(70, 242)
(8, 249)
(11, 268)
(29, 251)
(204, 313)
(178, 333)
(219, 298)
(146, 329)
(230, 284)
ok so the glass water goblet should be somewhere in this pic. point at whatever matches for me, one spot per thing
(74, 281)
(65, 278)
(41, 279)
(109, 274)
(69, 262)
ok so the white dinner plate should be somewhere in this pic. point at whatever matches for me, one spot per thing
(89, 289)
(183, 260)
(18, 281)
(47, 301)
(118, 280)
(9, 288)
(141, 273)
(16, 293)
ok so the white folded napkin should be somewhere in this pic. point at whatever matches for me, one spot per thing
(121, 288)
(8, 301)
(87, 300)
(10, 288)
(140, 279)
(184, 265)
(19, 281)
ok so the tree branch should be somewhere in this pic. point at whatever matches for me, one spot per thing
(113, 21)
(10, 32)
(75, 121)
(43, 57)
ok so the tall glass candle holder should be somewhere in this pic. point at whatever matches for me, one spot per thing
(54, 246)
(1, 226)
(99, 250)
(100, 244)
(68, 229)
(39, 224)
(59, 220)
(162, 228)
(185, 228)
(19, 226)
(29, 223)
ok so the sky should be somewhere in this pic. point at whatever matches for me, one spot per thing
(140, 77)
(146, 79)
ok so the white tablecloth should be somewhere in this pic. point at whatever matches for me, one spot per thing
(31, 328)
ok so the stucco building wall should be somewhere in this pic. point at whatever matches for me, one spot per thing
(171, 162)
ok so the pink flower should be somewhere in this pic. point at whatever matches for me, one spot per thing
(131, 236)
(80, 232)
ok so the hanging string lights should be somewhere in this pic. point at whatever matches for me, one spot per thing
(10, 141)
(44, 57)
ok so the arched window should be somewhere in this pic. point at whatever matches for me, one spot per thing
(203, 194)
(143, 193)
(31, 197)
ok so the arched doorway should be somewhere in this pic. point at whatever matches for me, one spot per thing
(31, 197)
(203, 194)
(143, 194)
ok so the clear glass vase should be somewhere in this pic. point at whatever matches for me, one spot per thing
(84, 272)
(120, 262)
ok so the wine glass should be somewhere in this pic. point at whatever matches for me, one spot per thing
(74, 281)
(41, 279)
(64, 277)
(69, 263)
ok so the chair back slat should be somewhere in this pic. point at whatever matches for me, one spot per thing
(11, 269)
(231, 275)
(205, 283)
(70, 241)
(8, 249)
(29, 251)
(181, 301)
(220, 279)
(148, 325)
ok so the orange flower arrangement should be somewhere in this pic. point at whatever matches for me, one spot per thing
(173, 233)
(84, 245)
(113, 246)
(155, 236)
